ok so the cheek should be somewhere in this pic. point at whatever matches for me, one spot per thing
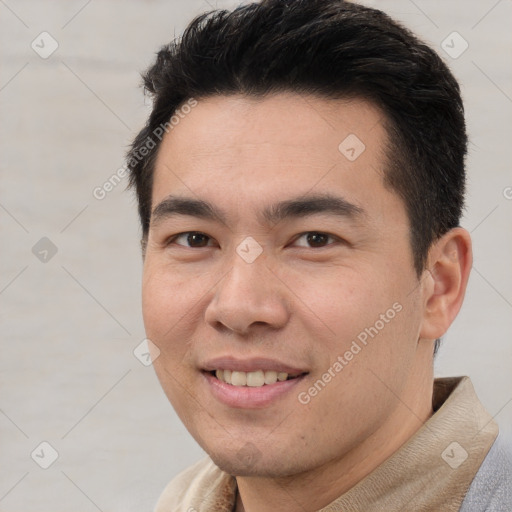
(368, 318)
(166, 313)
(168, 299)
(167, 306)
(157, 305)
(344, 301)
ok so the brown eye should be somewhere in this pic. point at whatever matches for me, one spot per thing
(317, 239)
(192, 239)
(313, 239)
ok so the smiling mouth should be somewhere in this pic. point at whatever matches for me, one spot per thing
(254, 379)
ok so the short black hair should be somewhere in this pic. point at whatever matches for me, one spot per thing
(331, 49)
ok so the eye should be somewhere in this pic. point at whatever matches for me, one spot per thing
(193, 239)
(313, 239)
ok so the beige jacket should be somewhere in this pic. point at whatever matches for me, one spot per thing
(430, 472)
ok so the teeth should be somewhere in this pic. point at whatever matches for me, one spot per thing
(255, 379)
(251, 379)
(270, 377)
(239, 378)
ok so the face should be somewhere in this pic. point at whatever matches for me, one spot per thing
(276, 252)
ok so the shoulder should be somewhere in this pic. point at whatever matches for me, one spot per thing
(191, 486)
(491, 489)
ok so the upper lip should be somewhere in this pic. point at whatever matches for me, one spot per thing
(250, 365)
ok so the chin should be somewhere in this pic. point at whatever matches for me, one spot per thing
(235, 467)
(250, 462)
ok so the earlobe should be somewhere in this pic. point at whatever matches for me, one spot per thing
(449, 264)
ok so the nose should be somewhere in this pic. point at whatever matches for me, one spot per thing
(249, 295)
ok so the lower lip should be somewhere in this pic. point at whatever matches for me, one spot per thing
(245, 397)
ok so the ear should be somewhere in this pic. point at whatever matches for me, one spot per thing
(448, 266)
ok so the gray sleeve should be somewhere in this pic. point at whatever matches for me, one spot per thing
(491, 489)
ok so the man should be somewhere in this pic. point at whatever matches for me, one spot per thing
(300, 183)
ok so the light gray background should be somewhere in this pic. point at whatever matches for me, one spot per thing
(70, 325)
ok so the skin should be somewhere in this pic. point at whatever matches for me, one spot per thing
(303, 304)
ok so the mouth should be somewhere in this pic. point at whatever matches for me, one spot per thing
(254, 383)
(248, 390)
(253, 379)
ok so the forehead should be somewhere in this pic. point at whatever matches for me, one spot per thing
(252, 150)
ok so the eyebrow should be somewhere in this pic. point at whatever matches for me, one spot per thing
(302, 206)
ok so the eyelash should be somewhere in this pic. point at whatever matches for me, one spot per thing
(173, 239)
